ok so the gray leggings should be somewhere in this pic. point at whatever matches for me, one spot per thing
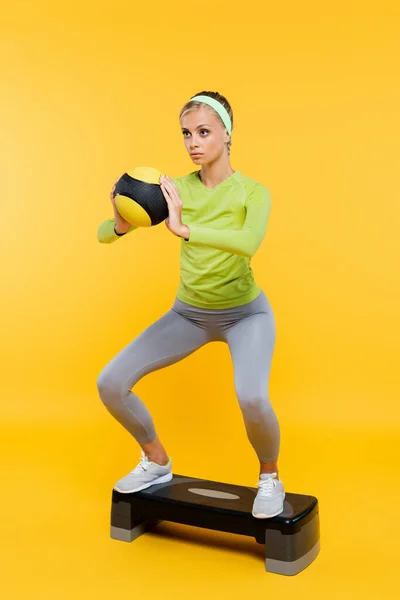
(249, 331)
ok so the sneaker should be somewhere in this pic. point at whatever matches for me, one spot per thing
(145, 474)
(270, 497)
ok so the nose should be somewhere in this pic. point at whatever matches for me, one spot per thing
(193, 144)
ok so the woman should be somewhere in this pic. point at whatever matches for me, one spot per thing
(221, 216)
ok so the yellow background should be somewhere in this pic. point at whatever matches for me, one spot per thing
(91, 89)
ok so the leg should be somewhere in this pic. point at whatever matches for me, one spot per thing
(251, 343)
(170, 339)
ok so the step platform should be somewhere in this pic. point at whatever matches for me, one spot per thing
(291, 539)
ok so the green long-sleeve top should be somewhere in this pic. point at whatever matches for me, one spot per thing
(227, 225)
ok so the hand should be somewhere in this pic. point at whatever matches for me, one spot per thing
(120, 221)
(112, 196)
(174, 220)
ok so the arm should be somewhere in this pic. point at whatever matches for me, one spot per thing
(106, 233)
(245, 241)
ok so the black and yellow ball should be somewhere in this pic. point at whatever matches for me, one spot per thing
(139, 198)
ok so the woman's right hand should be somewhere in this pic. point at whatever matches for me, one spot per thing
(122, 224)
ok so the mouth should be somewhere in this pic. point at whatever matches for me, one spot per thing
(196, 154)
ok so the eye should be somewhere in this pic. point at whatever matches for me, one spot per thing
(185, 132)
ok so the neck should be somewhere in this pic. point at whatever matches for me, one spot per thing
(212, 174)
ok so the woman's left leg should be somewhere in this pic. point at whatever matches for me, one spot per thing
(251, 343)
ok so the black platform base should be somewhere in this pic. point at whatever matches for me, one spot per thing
(291, 539)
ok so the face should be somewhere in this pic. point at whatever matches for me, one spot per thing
(203, 132)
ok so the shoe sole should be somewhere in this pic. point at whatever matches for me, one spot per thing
(263, 516)
(162, 479)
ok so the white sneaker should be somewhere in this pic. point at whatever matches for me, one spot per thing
(145, 474)
(270, 497)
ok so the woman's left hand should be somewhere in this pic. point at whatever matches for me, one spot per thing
(174, 220)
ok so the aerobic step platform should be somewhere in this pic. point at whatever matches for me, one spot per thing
(291, 539)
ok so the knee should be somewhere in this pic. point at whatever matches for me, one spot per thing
(109, 387)
(254, 404)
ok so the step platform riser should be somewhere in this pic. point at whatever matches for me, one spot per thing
(291, 539)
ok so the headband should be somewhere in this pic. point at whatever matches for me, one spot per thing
(219, 108)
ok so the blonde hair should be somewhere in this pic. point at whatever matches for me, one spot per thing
(195, 104)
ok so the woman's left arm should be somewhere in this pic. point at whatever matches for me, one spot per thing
(244, 241)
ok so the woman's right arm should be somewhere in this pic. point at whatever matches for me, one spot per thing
(107, 232)
(112, 229)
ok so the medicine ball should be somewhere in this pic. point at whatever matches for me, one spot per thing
(139, 198)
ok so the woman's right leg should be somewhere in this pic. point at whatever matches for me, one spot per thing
(167, 341)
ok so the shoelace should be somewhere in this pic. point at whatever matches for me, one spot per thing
(143, 465)
(267, 486)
